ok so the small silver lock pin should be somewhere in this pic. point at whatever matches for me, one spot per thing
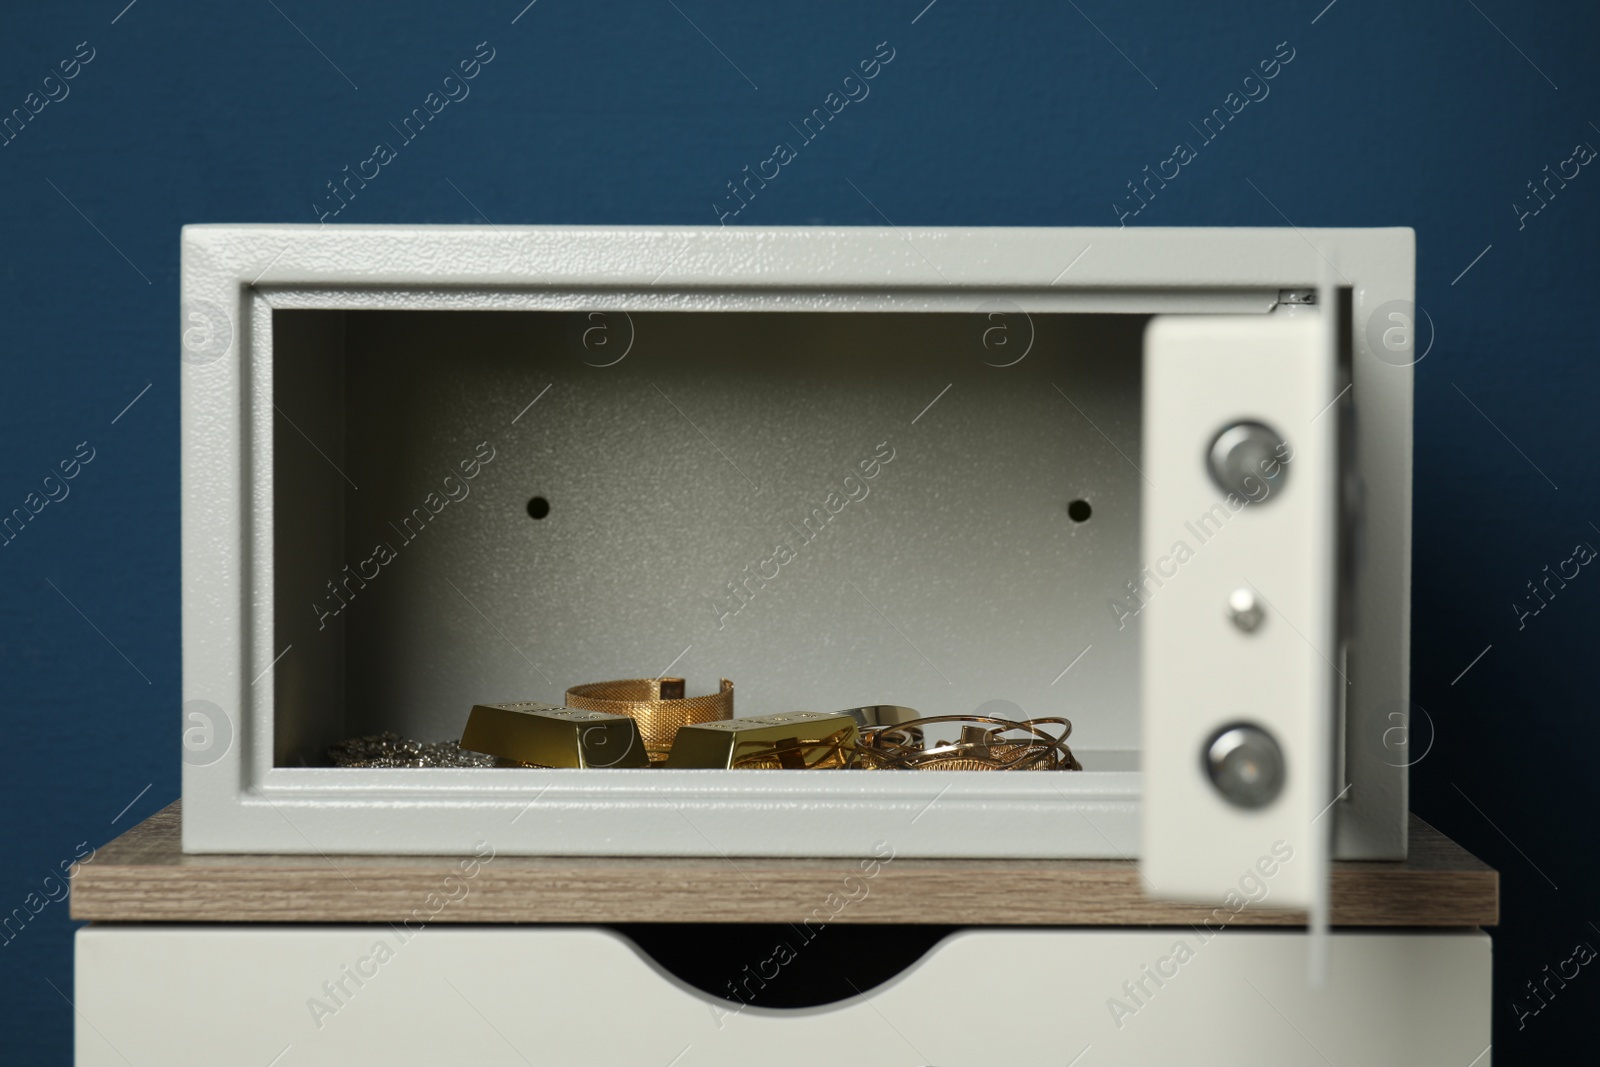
(1244, 610)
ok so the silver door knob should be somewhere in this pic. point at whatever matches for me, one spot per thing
(1245, 765)
(1250, 460)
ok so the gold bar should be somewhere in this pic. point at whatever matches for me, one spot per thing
(720, 744)
(553, 736)
(882, 715)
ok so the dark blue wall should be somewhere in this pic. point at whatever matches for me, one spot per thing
(1421, 114)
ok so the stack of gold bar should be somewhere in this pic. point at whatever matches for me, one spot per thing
(659, 705)
(545, 735)
(794, 739)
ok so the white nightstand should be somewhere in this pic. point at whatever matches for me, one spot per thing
(418, 960)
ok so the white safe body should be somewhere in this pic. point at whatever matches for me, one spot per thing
(686, 398)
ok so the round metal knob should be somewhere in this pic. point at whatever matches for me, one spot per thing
(1245, 765)
(1244, 611)
(1249, 460)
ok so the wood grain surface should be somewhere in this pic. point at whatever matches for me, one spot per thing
(143, 876)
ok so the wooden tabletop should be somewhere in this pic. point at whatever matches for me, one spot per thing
(143, 876)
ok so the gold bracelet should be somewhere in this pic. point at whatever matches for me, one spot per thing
(657, 704)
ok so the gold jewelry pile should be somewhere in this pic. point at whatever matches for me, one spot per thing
(985, 744)
(641, 723)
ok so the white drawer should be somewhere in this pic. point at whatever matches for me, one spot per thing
(181, 995)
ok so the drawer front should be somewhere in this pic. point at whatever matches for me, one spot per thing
(338, 995)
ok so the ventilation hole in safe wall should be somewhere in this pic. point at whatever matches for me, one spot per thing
(538, 507)
(779, 965)
(1079, 511)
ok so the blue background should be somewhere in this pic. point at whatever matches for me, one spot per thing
(1421, 114)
